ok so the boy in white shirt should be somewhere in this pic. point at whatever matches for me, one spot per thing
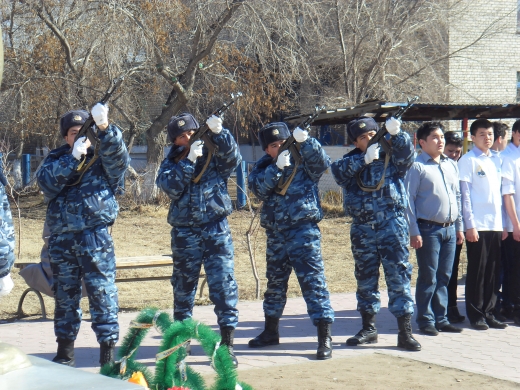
(480, 179)
(511, 199)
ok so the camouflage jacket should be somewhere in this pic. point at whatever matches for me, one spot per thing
(301, 202)
(6, 235)
(194, 204)
(92, 202)
(374, 207)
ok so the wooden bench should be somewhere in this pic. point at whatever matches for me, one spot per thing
(122, 263)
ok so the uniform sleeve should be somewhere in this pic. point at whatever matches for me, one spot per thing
(315, 160)
(345, 169)
(228, 155)
(458, 222)
(467, 208)
(403, 152)
(263, 178)
(113, 153)
(412, 182)
(173, 178)
(465, 166)
(508, 168)
(55, 173)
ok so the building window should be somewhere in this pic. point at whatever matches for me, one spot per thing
(518, 87)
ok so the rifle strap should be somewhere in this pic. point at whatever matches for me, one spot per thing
(84, 168)
(199, 176)
(281, 188)
(381, 182)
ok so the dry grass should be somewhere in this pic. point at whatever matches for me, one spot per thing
(142, 230)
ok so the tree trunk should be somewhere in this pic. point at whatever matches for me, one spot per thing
(17, 174)
(154, 157)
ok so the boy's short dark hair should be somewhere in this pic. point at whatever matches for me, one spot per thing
(426, 128)
(453, 138)
(516, 125)
(499, 129)
(480, 124)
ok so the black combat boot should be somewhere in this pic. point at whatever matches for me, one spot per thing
(454, 316)
(324, 340)
(227, 336)
(368, 334)
(65, 353)
(106, 352)
(269, 336)
(405, 338)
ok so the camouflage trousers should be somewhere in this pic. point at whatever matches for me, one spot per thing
(209, 244)
(296, 248)
(387, 243)
(90, 254)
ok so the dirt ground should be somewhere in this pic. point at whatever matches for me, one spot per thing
(376, 371)
(143, 231)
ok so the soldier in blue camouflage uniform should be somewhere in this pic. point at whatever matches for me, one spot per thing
(78, 216)
(293, 235)
(198, 216)
(379, 230)
(6, 239)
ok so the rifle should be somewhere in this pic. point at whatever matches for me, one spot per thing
(203, 133)
(380, 135)
(294, 148)
(87, 130)
(383, 142)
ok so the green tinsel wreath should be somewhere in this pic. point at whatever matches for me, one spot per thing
(171, 369)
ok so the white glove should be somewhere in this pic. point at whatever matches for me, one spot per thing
(300, 135)
(284, 159)
(195, 150)
(393, 126)
(80, 147)
(6, 285)
(100, 114)
(215, 124)
(372, 153)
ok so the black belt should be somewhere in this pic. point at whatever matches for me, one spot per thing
(445, 224)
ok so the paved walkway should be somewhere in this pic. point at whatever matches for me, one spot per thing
(493, 352)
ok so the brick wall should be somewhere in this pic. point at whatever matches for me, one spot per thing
(485, 72)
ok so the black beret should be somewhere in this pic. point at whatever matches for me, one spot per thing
(273, 132)
(181, 123)
(359, 126)
(71, 119)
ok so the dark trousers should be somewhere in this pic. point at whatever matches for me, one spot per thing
(503, 293)
(452, 285)
(483, 274)
(512, 273)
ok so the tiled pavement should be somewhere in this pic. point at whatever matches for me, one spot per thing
(493, 352)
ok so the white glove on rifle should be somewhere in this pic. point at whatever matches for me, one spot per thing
(195, 150)
(372, 153)
(215, 124)
(393, 126)
(6, 285)
(100, 114)
(80, 147)
(284, 159)
(300, 135)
